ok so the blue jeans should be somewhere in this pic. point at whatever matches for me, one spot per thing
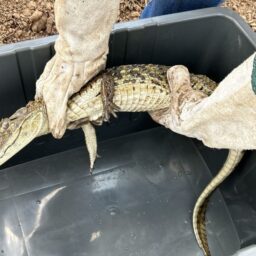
(162, 7)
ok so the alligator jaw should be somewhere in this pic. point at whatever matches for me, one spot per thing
(21, 131)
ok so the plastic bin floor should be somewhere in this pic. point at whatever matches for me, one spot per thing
(138, 202)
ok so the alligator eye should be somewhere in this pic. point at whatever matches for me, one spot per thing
(5, 124)
(20, 112)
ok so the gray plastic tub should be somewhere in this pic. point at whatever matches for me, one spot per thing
(140, 199)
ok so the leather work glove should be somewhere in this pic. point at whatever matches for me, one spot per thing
(226, 119)
(84, 28)
(247, 251)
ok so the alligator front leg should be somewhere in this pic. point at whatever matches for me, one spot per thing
(107, 94)
(91, 142)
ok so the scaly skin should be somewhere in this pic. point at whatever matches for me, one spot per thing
(137, 88)
(231, 162)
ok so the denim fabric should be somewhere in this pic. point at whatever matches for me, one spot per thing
(161, 7)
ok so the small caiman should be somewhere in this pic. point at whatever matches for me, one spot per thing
(128, 88)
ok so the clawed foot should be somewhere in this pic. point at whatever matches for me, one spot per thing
(107, 94)
(92, 165)
(91, 143)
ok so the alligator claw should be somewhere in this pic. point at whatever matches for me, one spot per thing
(107, 94)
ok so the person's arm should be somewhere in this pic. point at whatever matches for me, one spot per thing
(84, 28)
(226, 119)
(162, 7)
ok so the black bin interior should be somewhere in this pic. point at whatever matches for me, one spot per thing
(140, 199)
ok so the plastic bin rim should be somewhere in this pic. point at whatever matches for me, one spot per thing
(138, 24)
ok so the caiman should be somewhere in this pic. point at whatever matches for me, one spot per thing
(128, 88)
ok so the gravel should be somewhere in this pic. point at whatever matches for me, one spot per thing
(22, 19)
(246, 9)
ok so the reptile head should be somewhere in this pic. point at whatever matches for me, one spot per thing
(20, 129)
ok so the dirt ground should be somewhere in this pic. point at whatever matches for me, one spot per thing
(24, 19)
(246, 8)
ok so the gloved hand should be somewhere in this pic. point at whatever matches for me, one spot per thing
(84, 28)
(248, 251)
(226, 119)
